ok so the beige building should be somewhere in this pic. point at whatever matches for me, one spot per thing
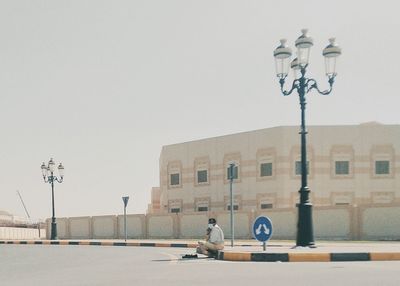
(347, 165)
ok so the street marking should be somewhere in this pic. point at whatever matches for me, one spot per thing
(174, 259)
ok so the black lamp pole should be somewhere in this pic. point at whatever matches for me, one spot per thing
(303, 85)
(49, 177)
(53, 217)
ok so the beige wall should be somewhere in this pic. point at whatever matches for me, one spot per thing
(332, 223)
(365, 222)
(21, 233)
(135, 226)
(380, 222)
(241, 227)
(283, 222)
(189, 225)
(62, 227)
(80, 227)
(161, 226)
(104, 226)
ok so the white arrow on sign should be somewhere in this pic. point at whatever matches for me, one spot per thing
(266, 229)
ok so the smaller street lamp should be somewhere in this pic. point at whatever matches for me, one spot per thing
(49, 177)
(282, 56)
(303, 45)
(331, 53)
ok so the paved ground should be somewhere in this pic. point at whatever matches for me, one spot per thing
(346, 246)
(107, 265)
(252, 250)
(323, 252)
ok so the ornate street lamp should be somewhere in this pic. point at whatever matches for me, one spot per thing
(304, 85)
(49, 177)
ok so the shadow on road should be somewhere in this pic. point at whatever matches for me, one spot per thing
(182, 259)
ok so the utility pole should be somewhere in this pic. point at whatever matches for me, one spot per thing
(23, 204)
(231, 177)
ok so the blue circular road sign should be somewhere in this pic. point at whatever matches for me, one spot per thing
(262, 228)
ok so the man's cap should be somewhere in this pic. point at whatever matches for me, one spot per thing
(212, 220)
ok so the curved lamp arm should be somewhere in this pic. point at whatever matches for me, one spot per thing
(312, 84)
(50, 179)
(288, 92)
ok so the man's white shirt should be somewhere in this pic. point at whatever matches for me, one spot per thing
(216, 235)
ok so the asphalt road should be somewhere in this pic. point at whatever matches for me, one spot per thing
(102, 265)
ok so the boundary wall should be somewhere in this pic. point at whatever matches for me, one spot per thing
(364, 222)
(22, 233)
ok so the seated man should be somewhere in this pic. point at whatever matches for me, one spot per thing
(214, 239)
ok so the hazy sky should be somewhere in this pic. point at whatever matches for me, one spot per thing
(101, 86)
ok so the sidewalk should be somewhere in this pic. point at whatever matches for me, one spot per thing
(251, 250)
(324, 252)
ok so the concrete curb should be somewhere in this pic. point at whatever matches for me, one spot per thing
(235, 256)
(99, 243)
(308, 257)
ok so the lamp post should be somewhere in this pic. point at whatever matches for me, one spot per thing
(49, 177)
(304, 85)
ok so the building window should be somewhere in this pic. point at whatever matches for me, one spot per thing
(342, 162)
(342, 198)
(266, 169)
(174, 174)
(382, 197)
(175, 210)
(298, 168)
(342, 168)
(265, 163)
(266, 206)
(202, 205)
(382, 168)
(202, 209)
(202, 176)
(235, 207)
(201, 171)
(342, 204)
(174, 179)
(235, 172)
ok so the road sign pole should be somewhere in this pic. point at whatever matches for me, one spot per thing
(126, 234)
(264, 246)
(231, 166)
(125, 200)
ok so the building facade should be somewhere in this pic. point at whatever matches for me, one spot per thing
(347, 165)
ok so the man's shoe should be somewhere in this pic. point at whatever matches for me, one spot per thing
(189, 256)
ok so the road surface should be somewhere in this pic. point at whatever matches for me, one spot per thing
(109, 265)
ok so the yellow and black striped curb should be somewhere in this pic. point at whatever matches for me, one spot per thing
(308, 257)
(235, 256)
(99, 243)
